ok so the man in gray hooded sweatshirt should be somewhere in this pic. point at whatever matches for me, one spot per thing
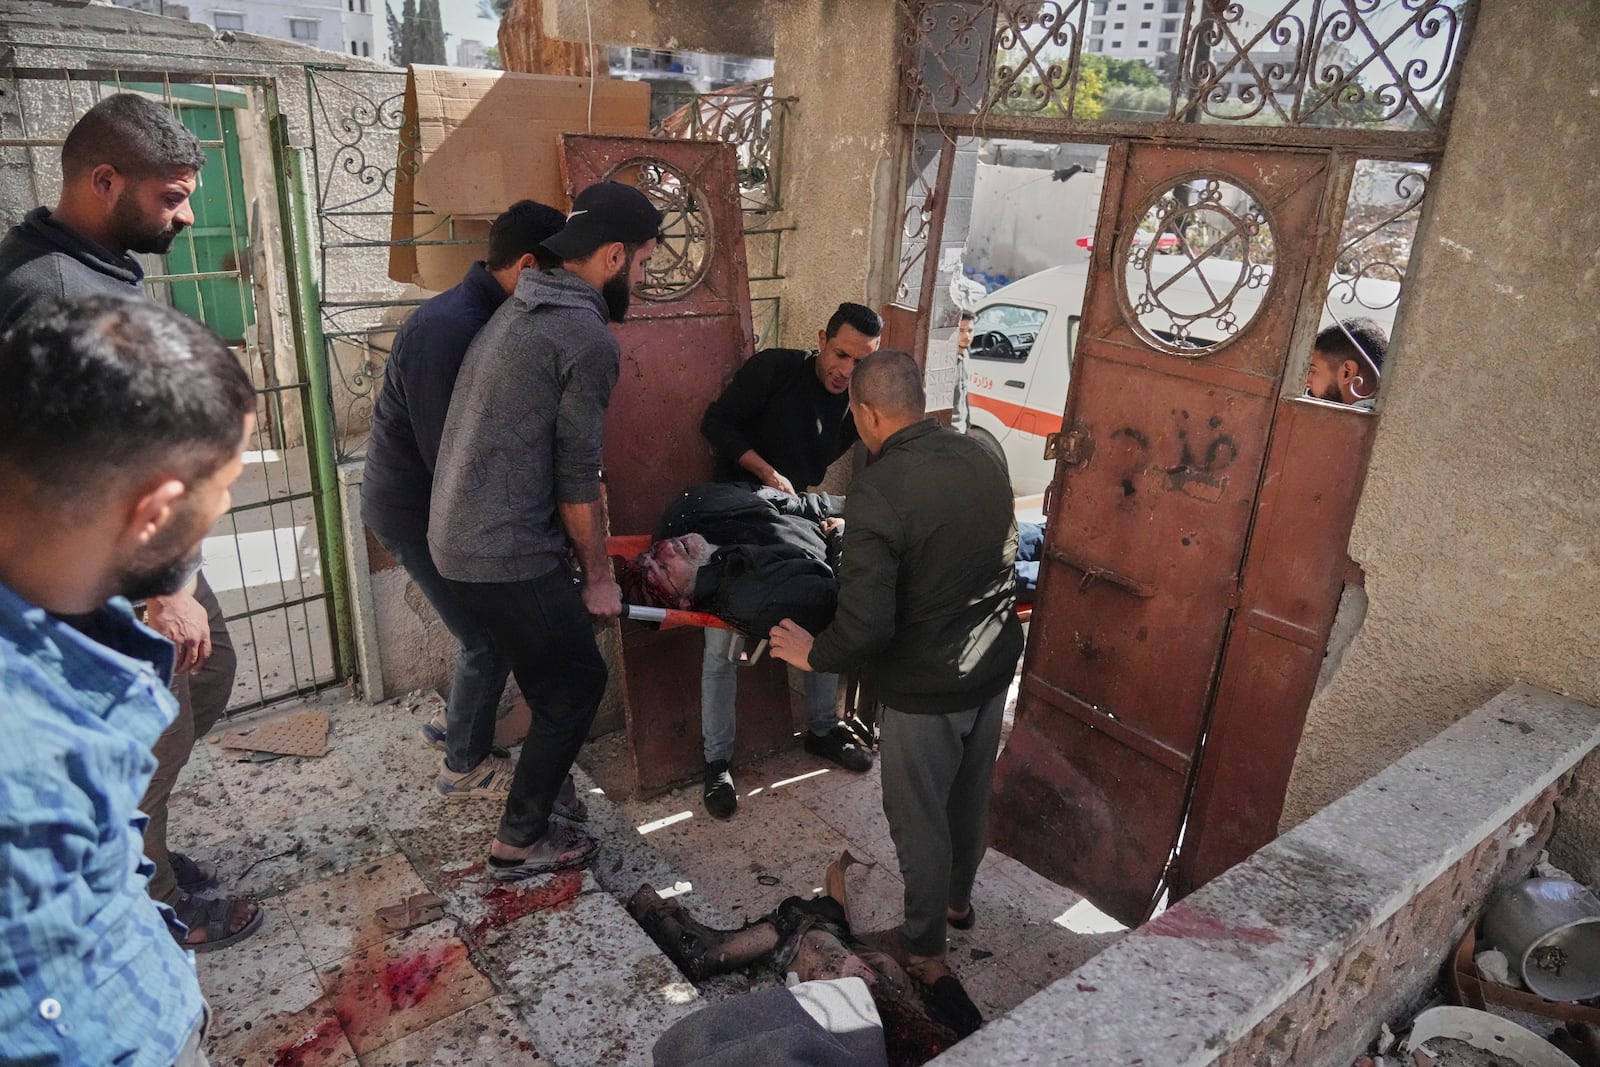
(516, 493)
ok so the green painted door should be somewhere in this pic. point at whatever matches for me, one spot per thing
(217, 242)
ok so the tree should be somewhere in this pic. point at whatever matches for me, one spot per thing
(430, 34)
(418, 35)
(396, 34)
(408, 34)
(1115, 72)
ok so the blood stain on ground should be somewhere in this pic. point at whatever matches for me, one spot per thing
(407, 981)
(310, 1047)
(507, 904)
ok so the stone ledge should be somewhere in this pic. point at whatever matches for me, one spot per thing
(1295, 955)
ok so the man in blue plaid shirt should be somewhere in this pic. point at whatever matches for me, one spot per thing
(122, 426)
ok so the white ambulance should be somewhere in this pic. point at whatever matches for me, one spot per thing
(1025, 335)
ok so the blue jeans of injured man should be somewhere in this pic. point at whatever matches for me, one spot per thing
(719, 687)
(481, 671)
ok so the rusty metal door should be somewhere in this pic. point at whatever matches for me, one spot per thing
(690, 330)
(1175, 387)
(687, 332)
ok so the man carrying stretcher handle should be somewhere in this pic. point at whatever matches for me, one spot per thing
(780, 422)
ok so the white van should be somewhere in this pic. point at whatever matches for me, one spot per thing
(1024, 337)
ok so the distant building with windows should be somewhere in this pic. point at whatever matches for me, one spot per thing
(354, 27)
(471, 54)
(1147, 30)
(1152, 31)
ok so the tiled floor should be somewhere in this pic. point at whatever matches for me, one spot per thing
(550, 971)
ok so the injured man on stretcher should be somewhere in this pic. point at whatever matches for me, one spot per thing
(752, 557)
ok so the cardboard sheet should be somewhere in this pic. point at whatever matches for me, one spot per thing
(477, 141)
(304, 733)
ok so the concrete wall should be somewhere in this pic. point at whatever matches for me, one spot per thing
(1295, 957)
(1023, 222)
(1478, 526)
(841, 159)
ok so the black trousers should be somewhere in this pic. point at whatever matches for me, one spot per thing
(543, 630)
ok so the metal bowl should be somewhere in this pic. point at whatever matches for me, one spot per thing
(1549, 928)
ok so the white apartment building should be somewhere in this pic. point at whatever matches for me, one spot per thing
(471, 53)
(366, 30)
(315, 23)
(1135, 29)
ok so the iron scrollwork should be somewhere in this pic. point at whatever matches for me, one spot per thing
(1366, 64)
(1201, 245)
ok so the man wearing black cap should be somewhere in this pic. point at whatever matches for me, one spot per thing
(407, 424)
(517, 490)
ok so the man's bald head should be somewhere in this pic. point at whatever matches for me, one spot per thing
(886, 395)
(891, 382)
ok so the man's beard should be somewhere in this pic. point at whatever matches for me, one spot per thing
(616, 293)
(135, 234)
(1331, 394)
(142, 583)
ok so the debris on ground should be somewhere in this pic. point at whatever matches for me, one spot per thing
(305, 733)
(415, 910)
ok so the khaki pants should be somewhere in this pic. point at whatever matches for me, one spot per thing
(202, 698)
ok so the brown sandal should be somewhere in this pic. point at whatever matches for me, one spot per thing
(236, 917)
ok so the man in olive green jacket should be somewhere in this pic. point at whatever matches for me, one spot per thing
(925, 607)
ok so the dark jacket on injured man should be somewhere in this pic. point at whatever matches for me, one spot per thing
(773, 563)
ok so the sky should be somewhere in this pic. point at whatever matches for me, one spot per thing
(462, 23)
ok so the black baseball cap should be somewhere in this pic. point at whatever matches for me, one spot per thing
(603, 213)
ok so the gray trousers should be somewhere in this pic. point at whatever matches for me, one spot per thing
(937, 771)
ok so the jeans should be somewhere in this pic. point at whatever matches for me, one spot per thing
(719, 688)
(543, 629)
(937, 773)
(481, 671)
(202, 698)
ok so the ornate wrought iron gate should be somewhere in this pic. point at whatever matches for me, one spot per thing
(269, 558)
(1196, 538)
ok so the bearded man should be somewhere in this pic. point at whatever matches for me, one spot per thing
(516, 490)
(128, 168)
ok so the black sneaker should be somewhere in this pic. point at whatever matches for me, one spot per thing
(839, 746)
(720, 799)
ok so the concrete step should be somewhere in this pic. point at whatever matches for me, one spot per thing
(589, 984)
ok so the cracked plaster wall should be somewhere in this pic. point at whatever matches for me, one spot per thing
(1478, 525)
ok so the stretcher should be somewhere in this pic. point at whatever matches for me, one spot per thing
(861, 698)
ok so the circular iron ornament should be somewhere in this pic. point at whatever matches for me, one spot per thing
(683, 254)
(1197, 268)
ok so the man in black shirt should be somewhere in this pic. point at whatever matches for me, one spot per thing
(128, 168)
(397, 487)
(780, 422)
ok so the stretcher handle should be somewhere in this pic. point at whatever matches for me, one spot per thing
(670, 617)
